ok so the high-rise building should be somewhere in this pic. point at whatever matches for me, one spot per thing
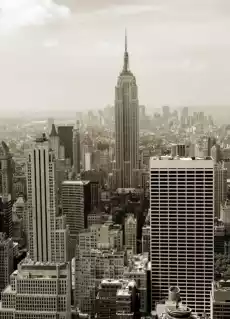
(97, 257)
(47, 233)
(54, 141)
(220, 187)
(38, 290)
(6, 179)
(6, 260)
(6, 215)
(73, 207)
(182, 229)
(76, 149)
(86, 198)
(131, 233)
(50, 122)
(145, 239)
(66, 138)
(126, 125)
(137, 270)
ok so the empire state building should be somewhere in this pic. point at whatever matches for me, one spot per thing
(126, 126)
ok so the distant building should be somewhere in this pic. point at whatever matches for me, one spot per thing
(6, 190)
(76, 149)
(54, 141)
(220, 187)
(66, 138)
(6, 260)
(145, 240)
(131, 233)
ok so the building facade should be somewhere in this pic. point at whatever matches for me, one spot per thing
(38, 291)
(182, 229)
(76, 149)
(6, 260)
(47, 240)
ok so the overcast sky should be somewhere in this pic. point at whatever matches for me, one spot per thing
(67, 56)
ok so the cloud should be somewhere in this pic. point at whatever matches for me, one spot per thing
(121, 10)
(20, 13)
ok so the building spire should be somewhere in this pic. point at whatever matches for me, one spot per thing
(126, 54)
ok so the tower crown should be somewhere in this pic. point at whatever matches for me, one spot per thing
(126, 70)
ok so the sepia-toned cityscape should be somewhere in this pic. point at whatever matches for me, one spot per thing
(117, 213)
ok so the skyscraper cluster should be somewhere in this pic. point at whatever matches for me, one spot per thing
(112, 226)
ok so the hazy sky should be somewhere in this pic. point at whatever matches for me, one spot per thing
(67, 56)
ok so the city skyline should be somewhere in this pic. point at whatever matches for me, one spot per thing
(43, 61)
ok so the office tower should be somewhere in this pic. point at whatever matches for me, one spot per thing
(20, 209)
(88, 161)
(66, 138)
(6, 260)
(182, 229)
(86, 198)
(131, 233)
(17, 229)
(220, 300)
(38, 290)
(145, 240)
(127, 301)
(47, 239)
(211, 142)
(220, 187)
(73, 208)
(216, 153)
(166, 112)
(97, 257)
(178, 150)
(126, 125)
(137, 270)
(115, 298)
(50, 123)
(54, 141)
(76, 149)
(92, 265)
(6, 215)
(6, 179)
(106, 299)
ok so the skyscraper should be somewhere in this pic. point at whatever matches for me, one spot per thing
(47, 233)
(73, 208)
(54, 141)
(6, 260)
(126, 125)
(76, 149)
(66, 138)
(6, 178)
(182, 229)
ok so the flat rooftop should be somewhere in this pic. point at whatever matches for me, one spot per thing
(75, 183)
(181, 162)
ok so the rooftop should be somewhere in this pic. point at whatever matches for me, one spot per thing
(181, 162)
(75, 182)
